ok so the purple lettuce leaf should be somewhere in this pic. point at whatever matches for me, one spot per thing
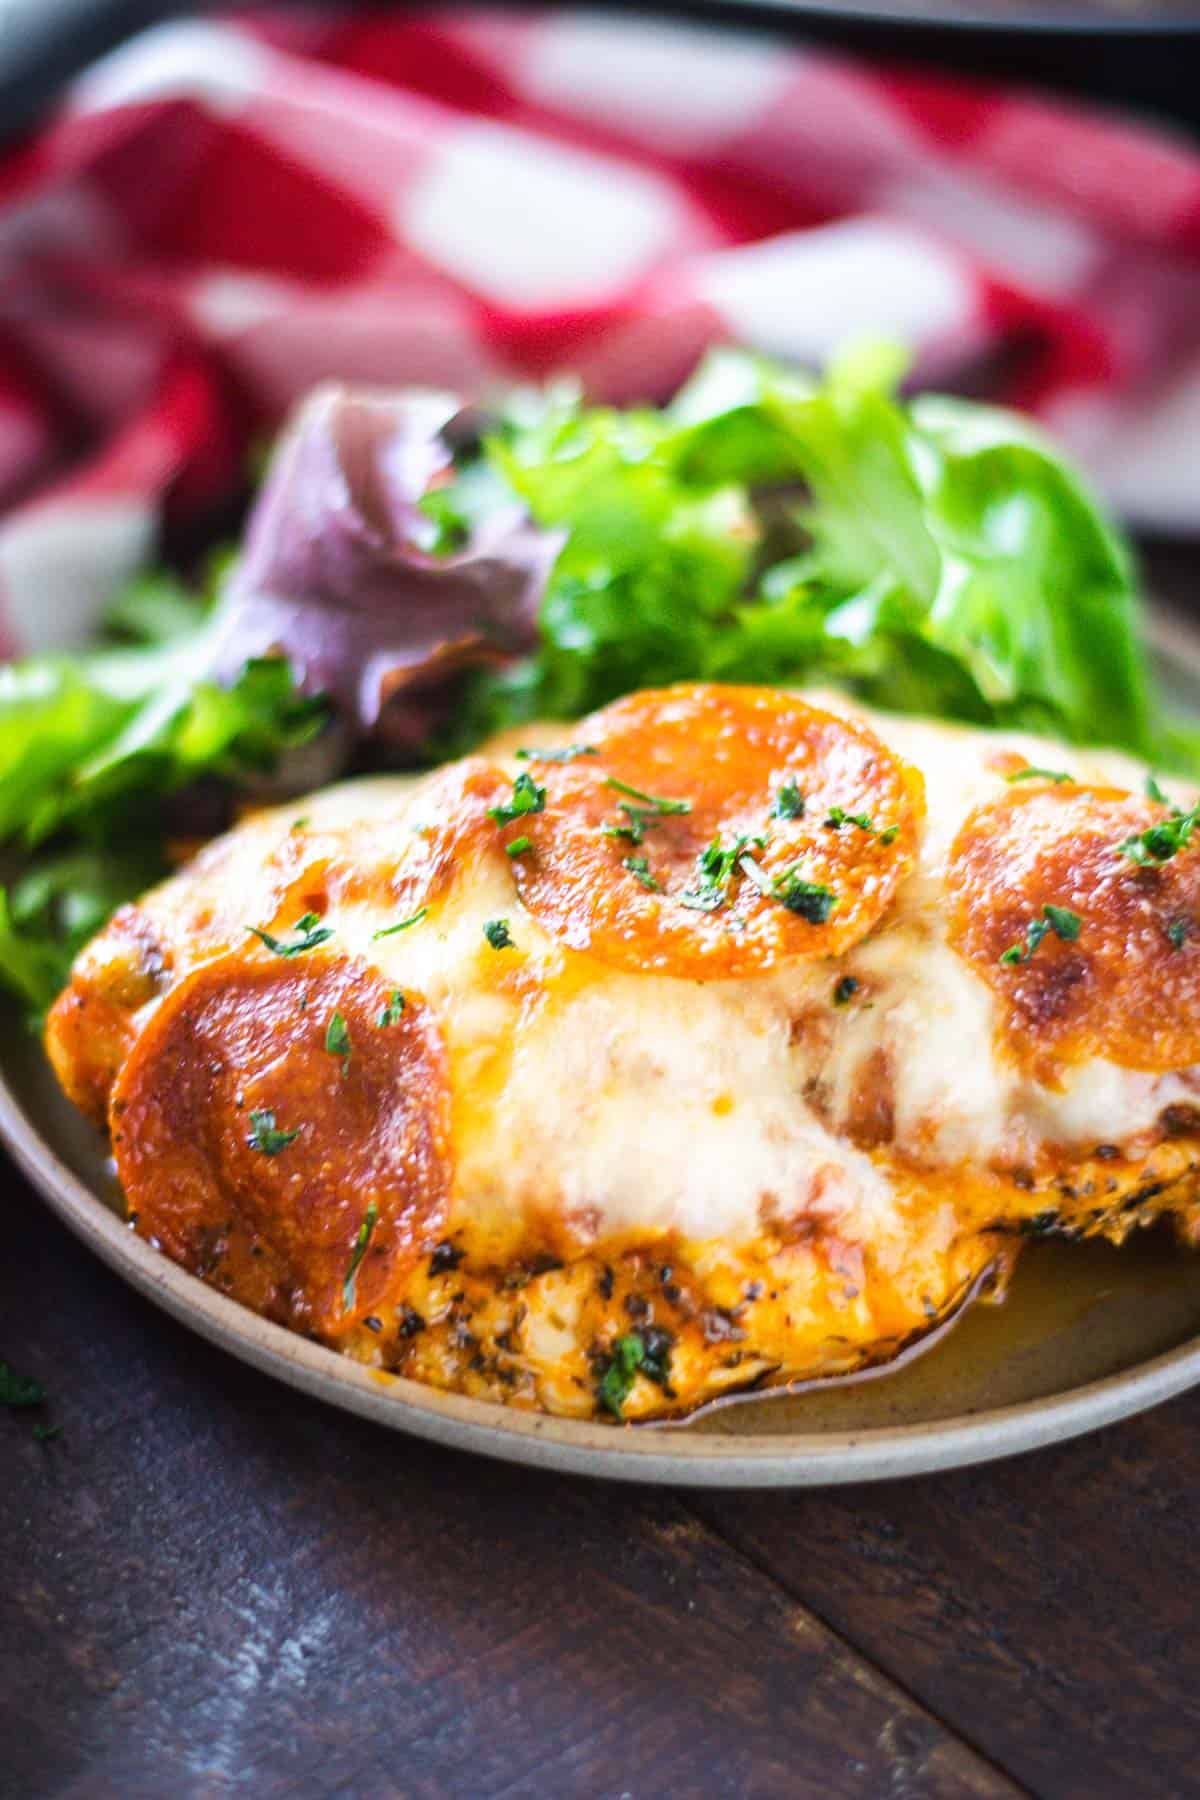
(336, 576)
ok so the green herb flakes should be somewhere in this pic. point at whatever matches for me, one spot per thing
(845, 990)
(337, 1038)
(357, 1254)
(789, 802)
(837, 816)
(1063, 922)
(568, 753)
(498, 935)
(619, 1374)
(639, 867)
(401, 924)
(812, 901)
(264, 1136)
(646, 1352)
(1160, 842)
(652, 802)
(1060, 920)
(1032, 774)
(519, 846)
(527, 797)
(715, 869)
(649, 811)
(390, 1014)
(310, 933)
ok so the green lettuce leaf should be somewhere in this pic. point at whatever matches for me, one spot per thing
(91, 747)
(931, 555)
(51, 910)
(934, 556)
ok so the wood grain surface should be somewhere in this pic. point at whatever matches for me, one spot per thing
(215, 1587)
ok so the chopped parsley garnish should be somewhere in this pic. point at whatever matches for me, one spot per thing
(635, 830)
(1177, 931)
(837, 816)
(264, 1137)
(809, 900)
(390, 1014)
(628, 1354)
(519, 846)
(845, 990)
(357, 1254)
(311, 933)
(527, 797)
(789, 802)
(638, 866)
(19, 1390)
(889, 834)
(649, 811)
(337, 1037)
(401, 924)
(498, 935)
(1154, 792)
(568, 753)
(1160, 842)
(703, 899)
(653, 802)
(1060, 920)
(1032, 774)
(1063, 922)
(714, 871)
(647, 1352)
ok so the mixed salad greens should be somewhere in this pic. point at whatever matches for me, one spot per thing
(414, 578)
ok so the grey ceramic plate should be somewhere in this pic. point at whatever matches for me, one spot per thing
(1087, 1335)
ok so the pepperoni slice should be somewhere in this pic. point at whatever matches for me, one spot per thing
(1124, 985)
(416, 863)
(716, 831)
(401, 863)
(295, 1161)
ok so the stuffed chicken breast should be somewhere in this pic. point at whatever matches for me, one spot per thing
(724, 1038)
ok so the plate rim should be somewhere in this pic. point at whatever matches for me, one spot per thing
(1027, 21)
(637, 1453)
(661, 1456)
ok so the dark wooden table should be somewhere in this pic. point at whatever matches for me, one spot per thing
(213, 1586)
(210, 1586)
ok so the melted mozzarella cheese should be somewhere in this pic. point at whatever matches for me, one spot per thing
(615, 1103)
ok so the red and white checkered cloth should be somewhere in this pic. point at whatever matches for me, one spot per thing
(224, 212)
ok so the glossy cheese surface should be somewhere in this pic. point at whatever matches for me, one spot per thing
(763, 1117)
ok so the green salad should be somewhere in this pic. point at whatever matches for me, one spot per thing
(930, 554)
